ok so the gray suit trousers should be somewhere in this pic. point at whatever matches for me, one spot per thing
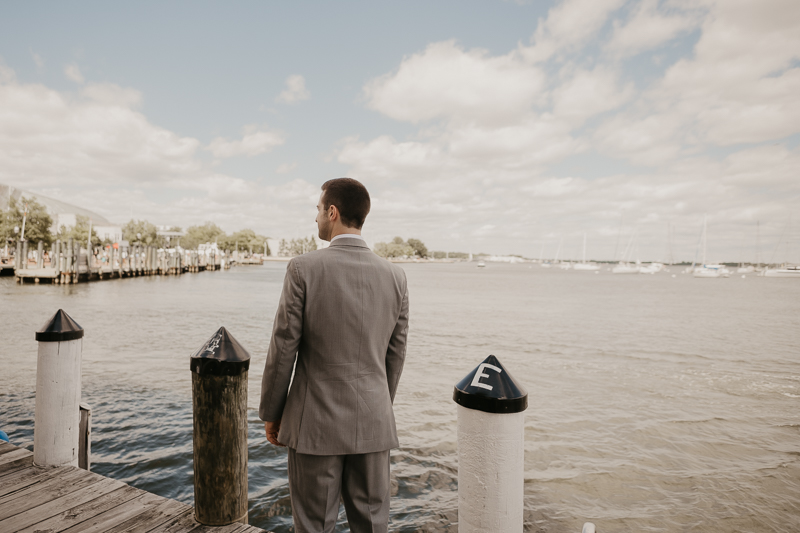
(317, 482)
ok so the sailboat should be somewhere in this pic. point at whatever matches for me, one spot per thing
(785, 270)
(709, 271)
(624, 267)
(583, 265)
(542, 262)
(562, 265)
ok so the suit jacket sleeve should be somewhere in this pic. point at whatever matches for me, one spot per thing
(286, 334)
(396, 352)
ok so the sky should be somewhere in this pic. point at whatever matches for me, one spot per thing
(477, 125)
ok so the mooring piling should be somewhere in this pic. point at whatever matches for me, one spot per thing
(56, 431)
(219, 405)
(491, 449)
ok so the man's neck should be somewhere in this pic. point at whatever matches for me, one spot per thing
(344, 230)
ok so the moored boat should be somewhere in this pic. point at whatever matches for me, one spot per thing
(786, 271)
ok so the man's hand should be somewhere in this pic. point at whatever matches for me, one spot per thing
(272, 429)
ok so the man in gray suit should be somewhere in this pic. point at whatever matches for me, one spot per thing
(341, 324)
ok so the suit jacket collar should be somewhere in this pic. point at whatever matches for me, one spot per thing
(348, 241)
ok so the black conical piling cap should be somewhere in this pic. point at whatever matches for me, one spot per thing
(59, 328)
(221, 355)
(490, 388)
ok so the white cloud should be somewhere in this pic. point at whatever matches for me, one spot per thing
(93, 138)
(648, 28)
(253, 143)
(568, 26)
(587, 93)
(73, 73)
(447, 81)
(295, 90)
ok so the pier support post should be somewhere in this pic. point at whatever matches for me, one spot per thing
(24, 254)
(58, 392)
(40, 255)
(55, 259)
(70, 252)
(491, 450)
(219, 404)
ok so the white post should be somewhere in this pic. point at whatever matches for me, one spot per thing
(58, 392)
(491, 450)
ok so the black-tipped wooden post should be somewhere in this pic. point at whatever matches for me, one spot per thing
(219, 401)
(58, 392)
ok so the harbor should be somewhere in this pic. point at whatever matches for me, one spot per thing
(654, 402)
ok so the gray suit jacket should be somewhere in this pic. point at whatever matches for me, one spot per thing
(341, 324)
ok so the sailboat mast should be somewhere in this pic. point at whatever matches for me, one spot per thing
(669, 243)
(584, 247)
(705, 238)
(758, 243)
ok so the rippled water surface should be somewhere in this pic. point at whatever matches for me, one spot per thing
(656, 403)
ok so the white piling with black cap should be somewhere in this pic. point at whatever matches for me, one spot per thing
(219, 401)
(491, 449)
(56, 430)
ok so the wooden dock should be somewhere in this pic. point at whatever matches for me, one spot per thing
(71, 500)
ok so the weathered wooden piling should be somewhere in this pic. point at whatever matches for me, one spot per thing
(219, 401)
(70, 252)
(55, 260)
(76, 263)
(40, 255)
(24, 254)
(58, 392)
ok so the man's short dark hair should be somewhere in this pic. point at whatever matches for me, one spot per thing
(351, 199)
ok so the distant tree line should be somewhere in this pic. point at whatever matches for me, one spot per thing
(246, 240)
(400, 248)
(37, 223)
(451, 255)
(296, 246)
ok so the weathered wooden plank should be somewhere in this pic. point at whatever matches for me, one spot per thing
(230, 528)
(6, 447)
(13, 455)
(151, 518)
(250, 529)
(62, 483)
(8, 464)
(81, 514)
(37, 513)
(19, 479)
(183, 523)
(13, 469)
(130, 510)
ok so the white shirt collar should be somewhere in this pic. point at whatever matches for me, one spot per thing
(347, 236)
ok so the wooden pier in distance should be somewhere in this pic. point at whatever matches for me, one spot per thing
(71, 500)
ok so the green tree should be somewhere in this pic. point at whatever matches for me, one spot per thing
(247, 240)
(79, 232)
(419, 247)
(206, 233)
(37, 222)
(303, 245)
(396, 248)
(136, 231)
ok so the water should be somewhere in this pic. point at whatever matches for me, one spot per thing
(656, 403)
